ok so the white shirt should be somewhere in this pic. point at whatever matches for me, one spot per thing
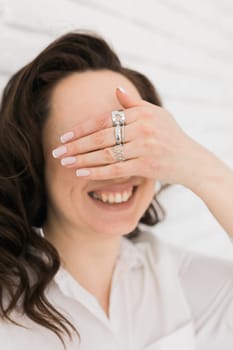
(162, 298)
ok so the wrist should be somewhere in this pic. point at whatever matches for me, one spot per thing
(210, 173)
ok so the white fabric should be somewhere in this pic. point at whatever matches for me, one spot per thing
(162, 298)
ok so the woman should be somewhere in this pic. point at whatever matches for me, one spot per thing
(80, 161)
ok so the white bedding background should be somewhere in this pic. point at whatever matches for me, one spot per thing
(185, 47)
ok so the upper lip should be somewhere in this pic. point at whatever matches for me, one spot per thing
(116, 187)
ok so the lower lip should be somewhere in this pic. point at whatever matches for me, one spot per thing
(115, 206)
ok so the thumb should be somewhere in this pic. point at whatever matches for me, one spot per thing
(127, 100)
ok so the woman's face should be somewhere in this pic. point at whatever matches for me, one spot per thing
(76, 98)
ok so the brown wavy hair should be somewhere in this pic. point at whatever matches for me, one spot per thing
(25, 106)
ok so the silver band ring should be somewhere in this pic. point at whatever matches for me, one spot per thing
(118, 121)
(118, 117)
(118, 134)
(118, 152)
(122, 133)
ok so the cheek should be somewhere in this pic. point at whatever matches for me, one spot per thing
(60, 181)
(56, 174)
(149, 189)
(62, 185)
(147, 194)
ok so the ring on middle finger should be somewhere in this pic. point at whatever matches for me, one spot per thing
(122, 133)
(118, 135)
(118, 121)
(118, 116)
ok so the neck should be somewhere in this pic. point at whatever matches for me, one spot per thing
(90, 259)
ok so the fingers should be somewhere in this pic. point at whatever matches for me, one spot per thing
(127, 100)
(101, 157)
(92, 125)
(97, 141)
(129, 168)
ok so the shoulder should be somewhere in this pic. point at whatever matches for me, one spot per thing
(207, 281)
(148, 242)
(185, 260)
(19, 336)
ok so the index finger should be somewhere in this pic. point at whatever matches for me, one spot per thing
(88, 127)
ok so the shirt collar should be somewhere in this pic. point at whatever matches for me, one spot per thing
(129, 255)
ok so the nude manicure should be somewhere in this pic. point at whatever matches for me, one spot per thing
(67, 136)
(68, 160)
(59, 151)
(82, 172)
(121, 89)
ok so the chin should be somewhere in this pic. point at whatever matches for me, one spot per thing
(116, 229)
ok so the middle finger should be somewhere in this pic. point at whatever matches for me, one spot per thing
(97, 141)
(106, 156)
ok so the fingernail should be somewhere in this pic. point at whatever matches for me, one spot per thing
(82, 172)
(59, 151)
(67, 136)
(68, 160)
(121, 89)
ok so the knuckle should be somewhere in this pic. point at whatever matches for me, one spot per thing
(146, 129)
(99, 138)
(108, 155)
(148, 113)
(102, 122)
(149, 143)
(79, 130)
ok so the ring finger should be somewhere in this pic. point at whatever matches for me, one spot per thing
(101, 157)
(97, 141)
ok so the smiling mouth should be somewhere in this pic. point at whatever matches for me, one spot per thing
(114, 198)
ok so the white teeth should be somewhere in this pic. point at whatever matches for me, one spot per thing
(104, 197)
(118, 198)
(125, 196)
(113, 197)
